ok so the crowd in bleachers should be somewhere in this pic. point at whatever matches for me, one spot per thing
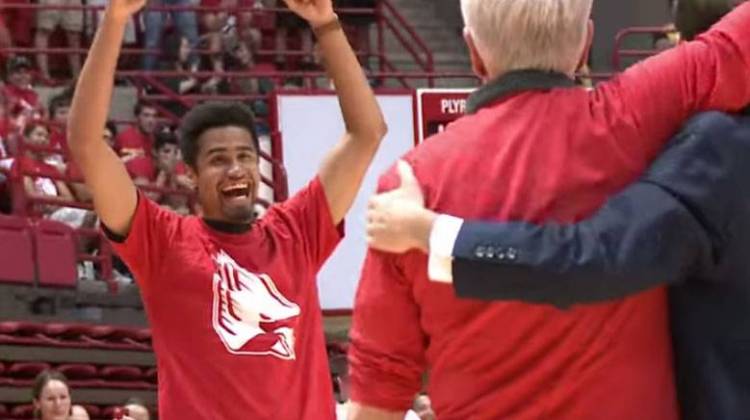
(53, 398)
(218, 36)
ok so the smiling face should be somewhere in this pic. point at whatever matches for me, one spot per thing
(227, 174)
(38, 136)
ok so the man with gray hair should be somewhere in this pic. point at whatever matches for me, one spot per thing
(536, 148)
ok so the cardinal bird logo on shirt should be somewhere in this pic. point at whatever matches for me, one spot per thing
(250, 315)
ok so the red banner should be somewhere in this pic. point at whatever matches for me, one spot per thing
(436, 108)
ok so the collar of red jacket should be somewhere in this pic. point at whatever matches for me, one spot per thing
(516, 82)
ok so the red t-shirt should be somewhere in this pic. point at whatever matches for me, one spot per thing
(58, 139)
(21, 98)
(142, 167)
(549, 155)
(133, 142)
(42, 174)
(235, 318)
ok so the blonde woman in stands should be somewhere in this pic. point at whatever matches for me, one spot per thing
(232, 301)
(51, 396)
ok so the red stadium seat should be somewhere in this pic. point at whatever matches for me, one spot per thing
(3, 411)
(109, 412)
(93, 410)
(16, 251)
(66, 331)
(115, 333)
(56, 254)
(23, 333)
(2, 369)
(121, 373)
(123, 337)
(21, 328)
(25, 370)
(151, 375)
(23, 411)
(78, 371)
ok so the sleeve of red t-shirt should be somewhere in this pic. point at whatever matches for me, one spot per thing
(387, 351)
(658, 94)
(307, 218)
(143, 249)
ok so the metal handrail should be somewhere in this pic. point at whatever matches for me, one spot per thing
(618, 52)
(428, 64)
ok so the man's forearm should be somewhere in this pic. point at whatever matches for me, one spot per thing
(362, 115)
(643, 237)
(90, 106)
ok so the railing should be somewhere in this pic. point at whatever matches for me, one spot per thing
(417, 47)
(25, 205)
(385, 14)
(618, 52)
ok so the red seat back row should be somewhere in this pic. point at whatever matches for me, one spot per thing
(42, 252)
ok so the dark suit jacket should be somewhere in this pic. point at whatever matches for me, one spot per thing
(685, 223)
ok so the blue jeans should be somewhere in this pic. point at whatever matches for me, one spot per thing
(184, 20)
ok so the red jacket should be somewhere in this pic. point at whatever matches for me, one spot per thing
(535, 150)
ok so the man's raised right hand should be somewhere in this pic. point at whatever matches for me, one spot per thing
(124, 9)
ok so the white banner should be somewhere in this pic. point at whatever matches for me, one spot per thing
(310, 126)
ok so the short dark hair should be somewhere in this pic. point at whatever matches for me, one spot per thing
(693, 17)
(140, 105)
(210, 115)
(61, 100)
(163, 137)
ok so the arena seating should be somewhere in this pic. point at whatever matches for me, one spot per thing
(16, 250)
(103, 337)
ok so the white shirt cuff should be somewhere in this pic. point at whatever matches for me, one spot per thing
(442, 239)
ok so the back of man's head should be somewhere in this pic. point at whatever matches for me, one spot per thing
(137, 409)
(547, 35)
(693, 17)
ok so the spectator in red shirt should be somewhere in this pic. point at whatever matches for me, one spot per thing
(161, 170)
(23, 101)
(138, 140)
(40, 179)
(535, 147)
(59, 107)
